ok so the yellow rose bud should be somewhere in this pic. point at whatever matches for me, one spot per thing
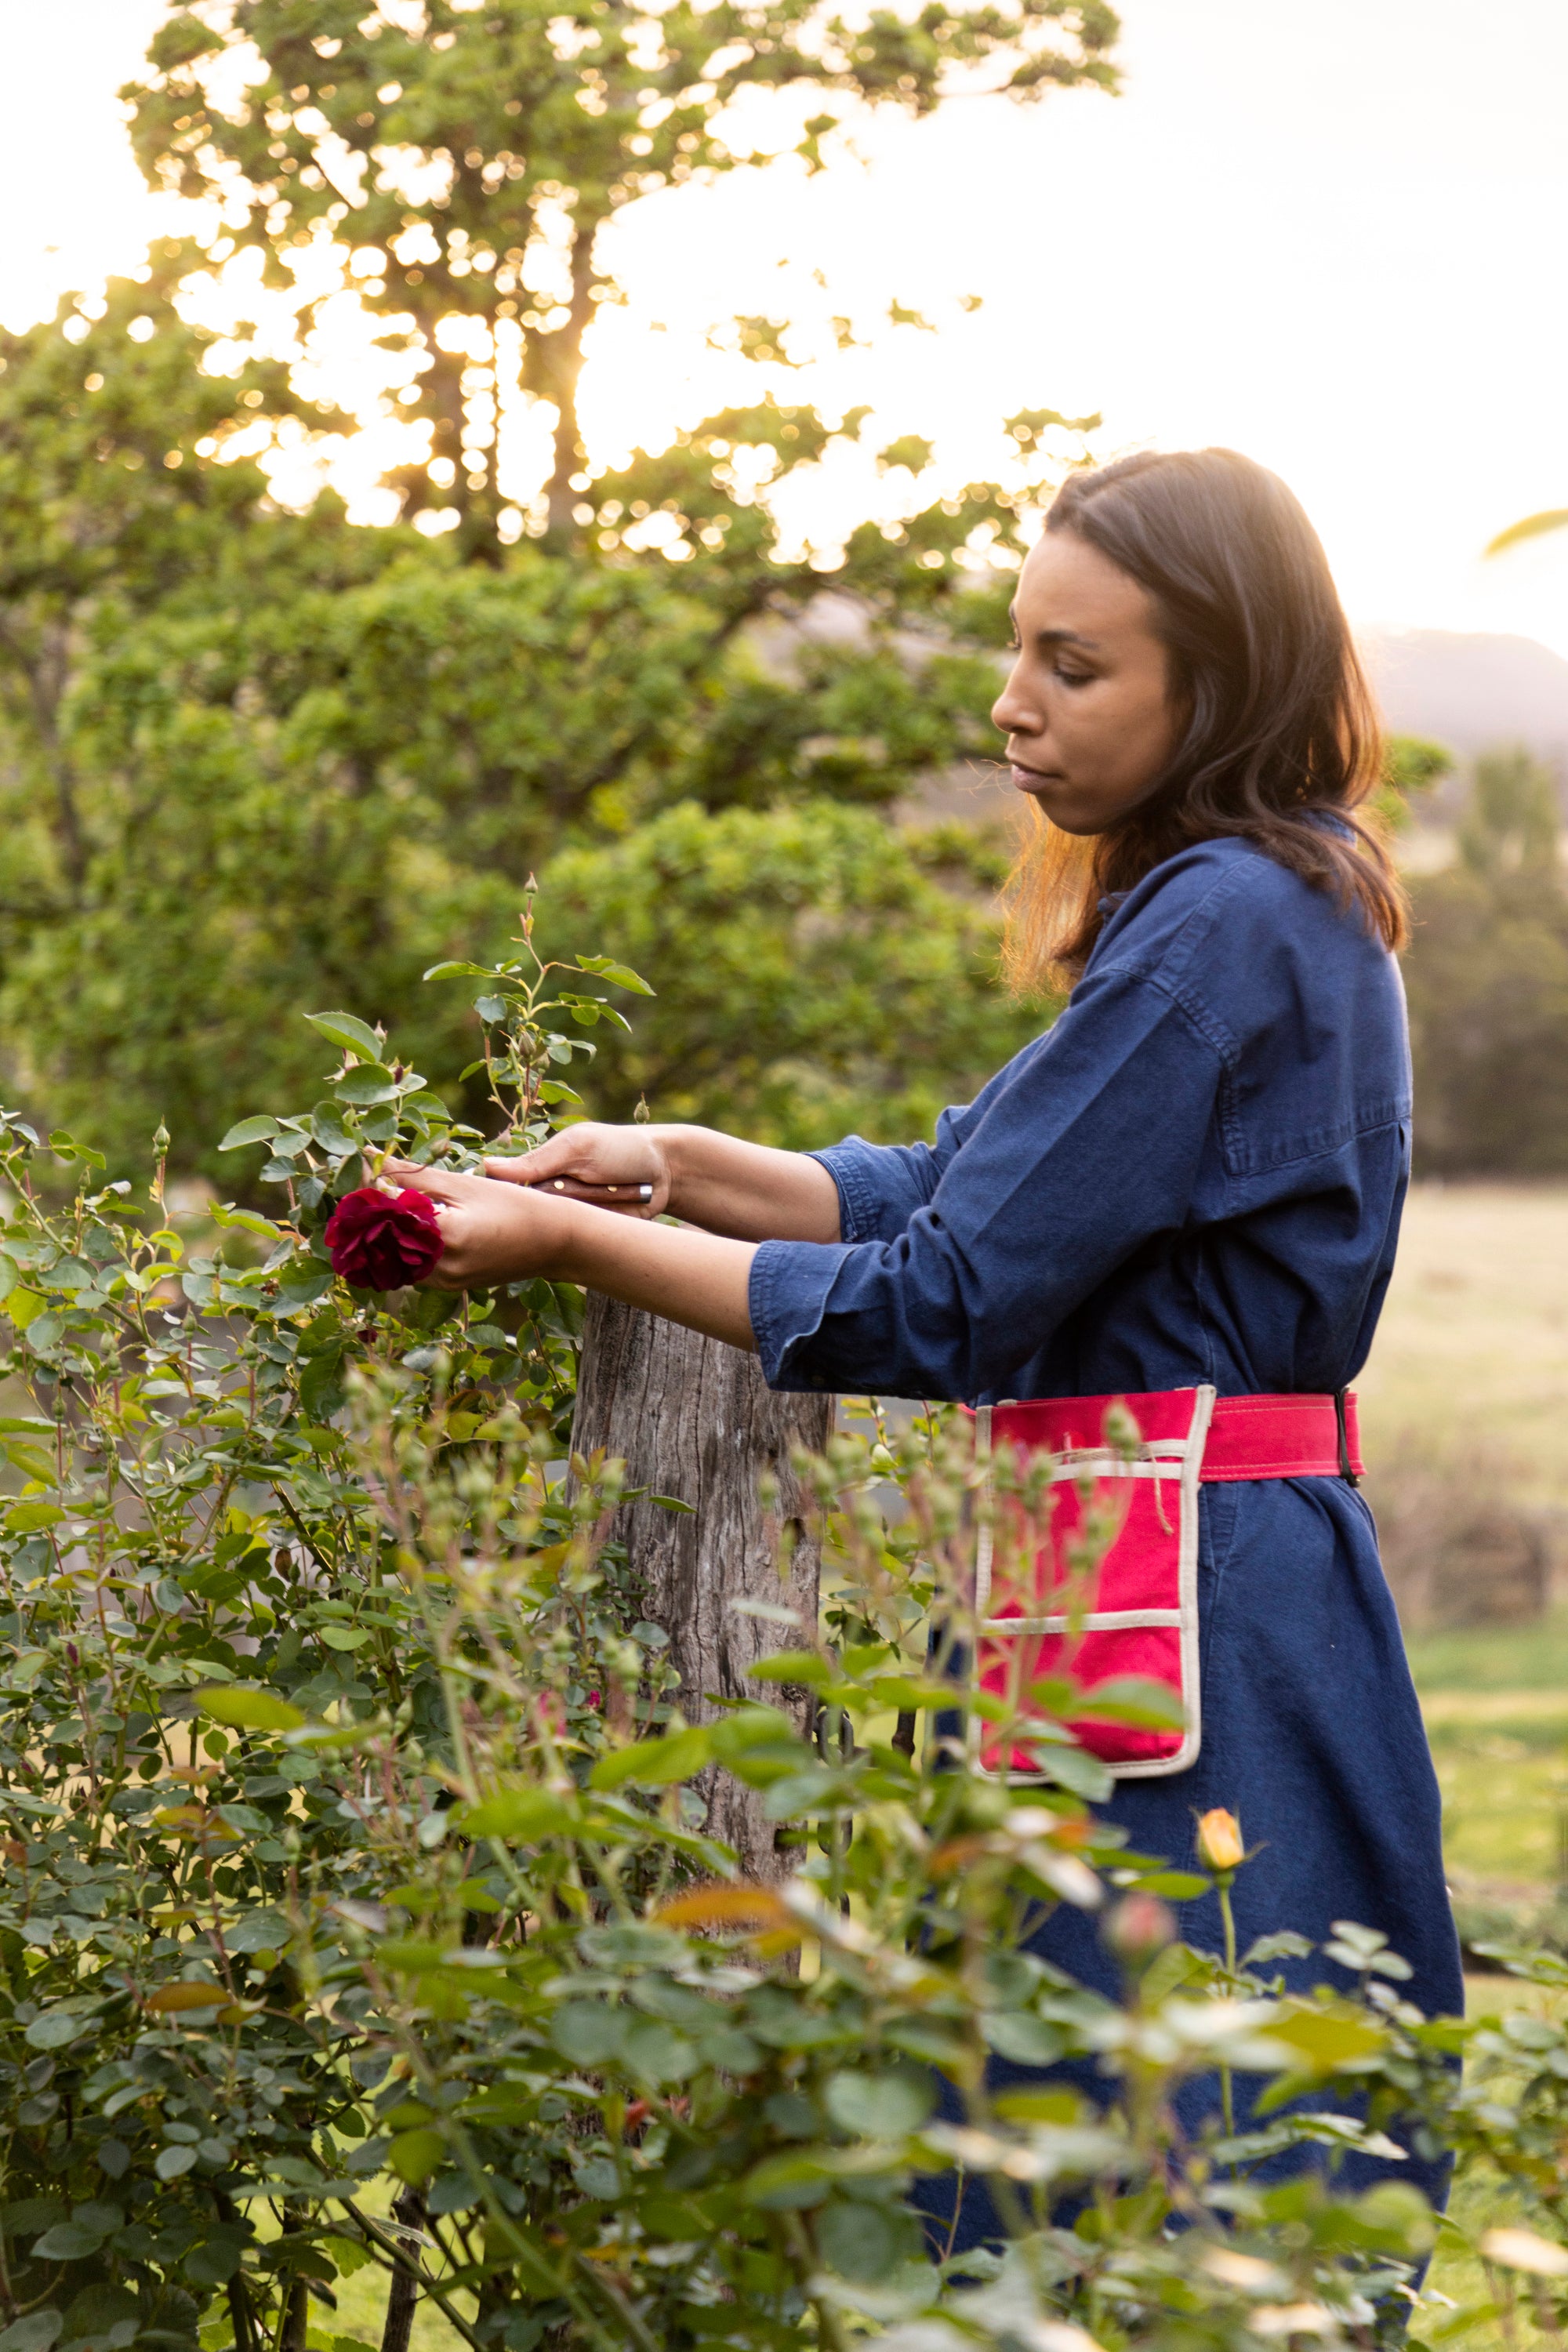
(1219, 1840)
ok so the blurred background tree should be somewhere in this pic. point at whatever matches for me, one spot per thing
(259, 762)
(473, 155)
(1487, 976)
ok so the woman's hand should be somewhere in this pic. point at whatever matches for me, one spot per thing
(582, 1161)
(490, 1232)
(493, 1232)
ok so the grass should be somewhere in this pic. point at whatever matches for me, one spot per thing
(1474, 1338)
(1472, 1357)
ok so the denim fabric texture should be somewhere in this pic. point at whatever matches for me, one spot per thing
(1196, 1175)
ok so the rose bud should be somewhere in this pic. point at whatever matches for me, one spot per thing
(379, 1240)
(1219, 1840)
(1140, 1927)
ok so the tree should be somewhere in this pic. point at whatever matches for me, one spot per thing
(1487, 975)
(107, 416)
(810, 976)
(473, 155)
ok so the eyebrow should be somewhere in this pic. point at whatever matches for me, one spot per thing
(1056, 637)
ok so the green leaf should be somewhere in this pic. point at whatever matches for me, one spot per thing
(345, 1029)
(1016, 2034)
(654, 1763)
(172, 2163)
(1076, 1768)
(413, 2155)
(881, 2106)
(522, 1814)
(589, 2034)
(794, 1666)
(249, 1130)
(213, 2263)
(606, 968)
(786, 2183)
(68, 2241)
(369, 1083)
(34, 2333)
(56, 2027)
(247, 1708)
(344, 1637)
(27, 1518)
(1134, 1699)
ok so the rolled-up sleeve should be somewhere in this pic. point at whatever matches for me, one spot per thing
(1084, 1149)
(881, 1185)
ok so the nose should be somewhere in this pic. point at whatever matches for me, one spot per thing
(1012, 711)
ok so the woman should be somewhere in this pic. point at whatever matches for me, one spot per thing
(1194, 1179)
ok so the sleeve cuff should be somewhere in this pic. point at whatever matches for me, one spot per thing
(790, 1282)
(860, 1200)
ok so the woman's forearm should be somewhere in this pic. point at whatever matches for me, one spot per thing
(748, 1191)
(701, 1279)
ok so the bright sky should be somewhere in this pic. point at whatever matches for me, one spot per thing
(1330, 235)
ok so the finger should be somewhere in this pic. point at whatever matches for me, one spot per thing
(556, 1151)
(621, 1195)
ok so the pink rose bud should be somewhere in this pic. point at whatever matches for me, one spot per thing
(379, 1240)
(1140, 1927)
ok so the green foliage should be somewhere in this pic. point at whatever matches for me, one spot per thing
(1513, 821)
(250, 760)
(299, 763)
(1411, 765)
(1487, 976)
(354, 1846)
(472, 156)
(809, 974)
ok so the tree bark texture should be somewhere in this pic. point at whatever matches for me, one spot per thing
(694, 1420)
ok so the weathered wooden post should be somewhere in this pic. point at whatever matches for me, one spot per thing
(694, 1420)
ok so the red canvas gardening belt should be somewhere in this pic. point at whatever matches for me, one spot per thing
(1142, 1616)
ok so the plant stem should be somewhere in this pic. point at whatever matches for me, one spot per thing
(1227, 1918)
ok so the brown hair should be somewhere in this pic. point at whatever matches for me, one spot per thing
(1280, 723)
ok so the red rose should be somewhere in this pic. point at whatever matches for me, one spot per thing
(381, 1240)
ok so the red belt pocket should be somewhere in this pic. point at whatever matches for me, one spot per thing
(1132, 1610)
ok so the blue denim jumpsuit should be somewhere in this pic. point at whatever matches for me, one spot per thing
(1195, 1176)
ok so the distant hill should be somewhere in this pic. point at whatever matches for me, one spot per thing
(1471, 692)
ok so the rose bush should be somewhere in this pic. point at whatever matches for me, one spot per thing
(357, 1906)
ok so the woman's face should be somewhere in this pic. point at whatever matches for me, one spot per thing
(1087, 712)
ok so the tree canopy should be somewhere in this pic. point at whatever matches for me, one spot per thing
(472, 155)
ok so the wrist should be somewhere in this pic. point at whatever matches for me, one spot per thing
(673, 1146)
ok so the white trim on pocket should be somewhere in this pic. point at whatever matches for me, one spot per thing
(1164, 1457)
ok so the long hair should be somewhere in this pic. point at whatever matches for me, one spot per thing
(1280, 725)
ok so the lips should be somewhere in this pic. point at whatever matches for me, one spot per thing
(1028, 780)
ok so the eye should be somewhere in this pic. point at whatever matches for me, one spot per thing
(1074, 677)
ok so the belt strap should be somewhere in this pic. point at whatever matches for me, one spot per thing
(1283, 1438)
(1303, 1436)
